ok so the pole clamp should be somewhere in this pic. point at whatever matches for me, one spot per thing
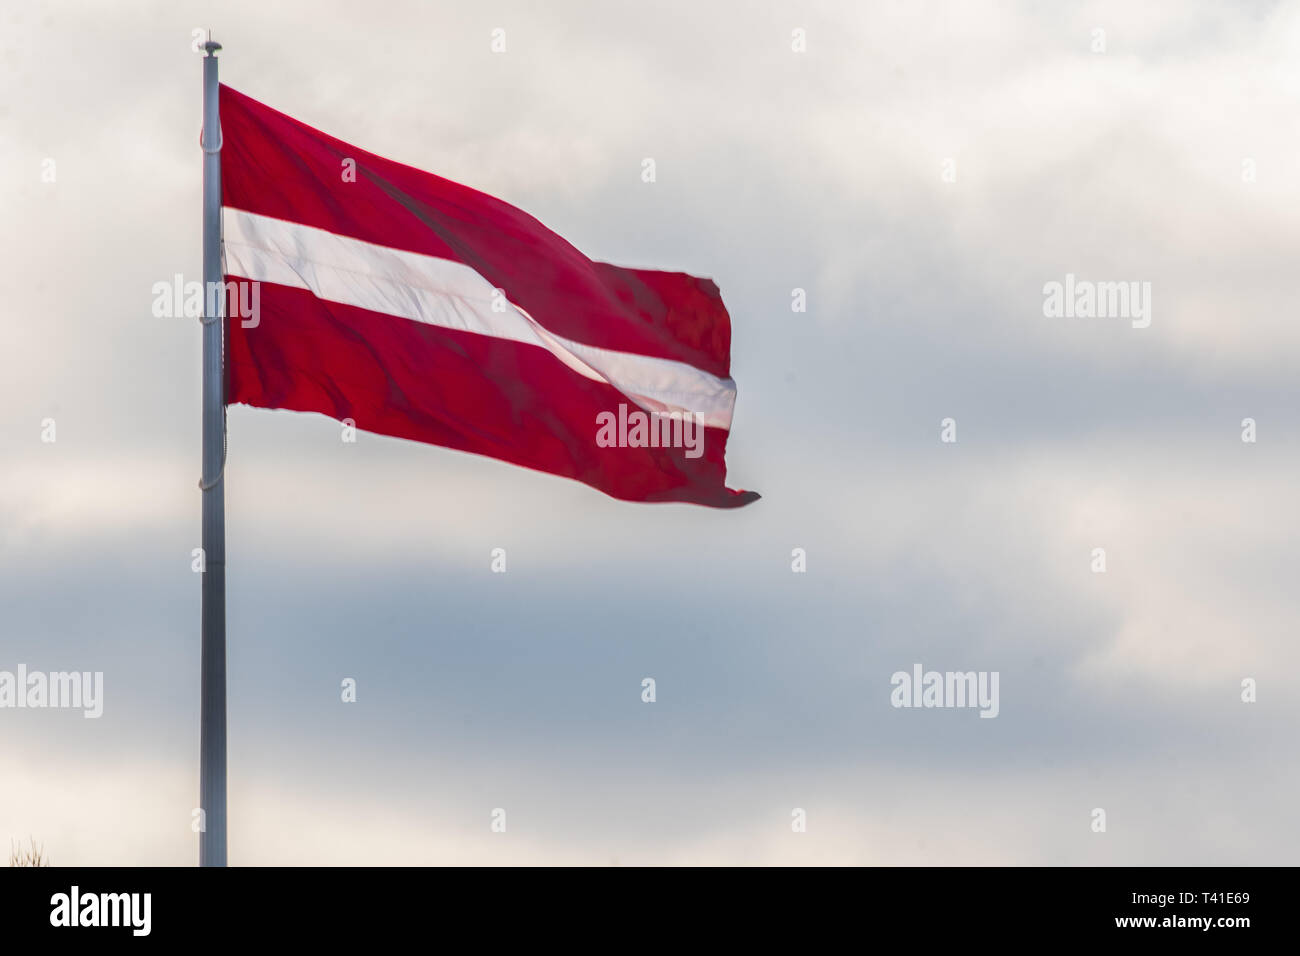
(221, 471)
(220, 141)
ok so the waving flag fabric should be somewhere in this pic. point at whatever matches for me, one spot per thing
(420, 308)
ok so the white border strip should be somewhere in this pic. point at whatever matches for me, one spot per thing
(453, 296)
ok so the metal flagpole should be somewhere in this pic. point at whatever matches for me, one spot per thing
(212, 695)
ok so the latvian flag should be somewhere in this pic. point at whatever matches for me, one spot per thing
(420, 308)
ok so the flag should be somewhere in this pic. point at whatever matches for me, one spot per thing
(370, 291)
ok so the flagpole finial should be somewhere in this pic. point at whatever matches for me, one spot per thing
(212, 46)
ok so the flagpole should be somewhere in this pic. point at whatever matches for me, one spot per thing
(212, 693)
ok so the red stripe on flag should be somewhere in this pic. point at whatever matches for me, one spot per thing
(475, 393)
(275, 166)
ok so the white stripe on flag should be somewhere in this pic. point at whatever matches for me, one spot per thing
(453, 296)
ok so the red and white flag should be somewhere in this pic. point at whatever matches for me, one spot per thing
(420, 308)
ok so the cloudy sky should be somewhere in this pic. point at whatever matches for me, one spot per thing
(921, 170)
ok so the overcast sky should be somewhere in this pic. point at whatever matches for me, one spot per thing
(921, 170)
